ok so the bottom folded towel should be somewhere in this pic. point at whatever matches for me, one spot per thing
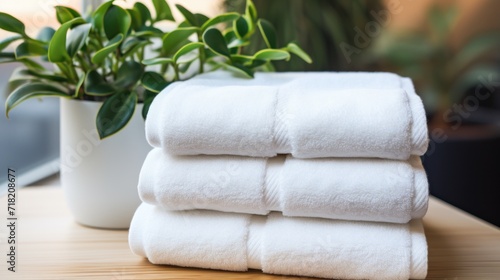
(280, 245)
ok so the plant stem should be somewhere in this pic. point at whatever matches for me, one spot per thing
(202, 60)
(63, 69)
(163, 69)
(202, 54)
(176, 71)
(83, 64)
(116, 63)
(74, 74)
(69, 71)
(100, 45)
(141, 54)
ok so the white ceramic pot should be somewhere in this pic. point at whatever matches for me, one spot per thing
(99, 177)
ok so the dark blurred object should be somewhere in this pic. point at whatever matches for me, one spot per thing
(459, 87)
(463, 159)
(464, 171)
(319, 26)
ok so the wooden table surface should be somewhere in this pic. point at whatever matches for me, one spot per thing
(52, 246)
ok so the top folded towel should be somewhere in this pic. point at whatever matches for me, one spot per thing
(308, 115)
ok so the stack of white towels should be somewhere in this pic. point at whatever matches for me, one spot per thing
(310, 174)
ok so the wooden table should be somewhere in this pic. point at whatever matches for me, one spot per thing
(52, 246)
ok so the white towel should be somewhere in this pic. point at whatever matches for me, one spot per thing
(280, 245)
(337, 188)
(306, 114)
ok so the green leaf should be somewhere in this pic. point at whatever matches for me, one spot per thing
(149, 31)
(28, 49)
(132, 45)
(12, 24)
(163, 11)
(200, 19)
(233, 41)
(57, 46)
(295, 49)
(95, 85)
(220, 19)
(136, 19)
(209, 54)
(268, 67)
(216, 42)
(149, 96)
(77, 38)
(240, 69)
(268, 33)
(174, 40)
(257, 63)
(46, 34)
(116, 21)
(79, 86)
(31, 90)
(235, 44)
(442, 19)
(184, 65)
(110, 47)
(187, 49)
(187, 15)
(143, 11)
(153, 81)
(473, 50)
(403, 50)
(242, 59)
(472, 77)
(98, 15)
(156, 61)
(65, 14)
(193, 19)
(32, 65)
(241, 28)
(44, 75)
(251, 11)
(184, 24)
(128, 74)
(7, 41)
(115, 113)
(19, 77)
(7, 57)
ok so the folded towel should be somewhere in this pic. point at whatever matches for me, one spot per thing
(280, 245)
(337, 188)
(306, 114)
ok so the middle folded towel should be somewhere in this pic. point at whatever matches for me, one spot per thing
(336, 188)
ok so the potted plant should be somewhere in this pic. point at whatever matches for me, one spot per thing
(457, 86)
(322, 28)
(108, 65)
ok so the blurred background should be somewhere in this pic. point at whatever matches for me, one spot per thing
(450, 48)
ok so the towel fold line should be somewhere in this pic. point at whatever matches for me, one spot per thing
(255, 243)
(281, 141)
(272, 199)
(420, 197)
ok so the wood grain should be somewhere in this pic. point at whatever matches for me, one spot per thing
(53, 246)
